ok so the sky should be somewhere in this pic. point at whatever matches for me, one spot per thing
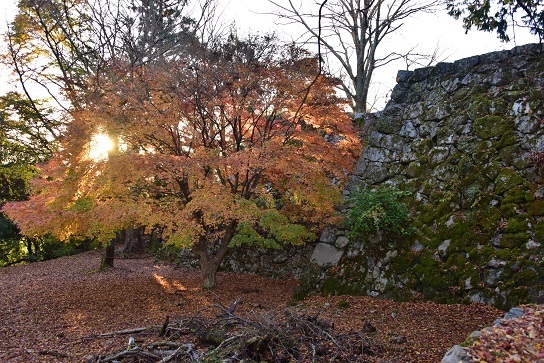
(426, 31)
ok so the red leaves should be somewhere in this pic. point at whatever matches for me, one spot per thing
(207, 139)
(56, 305)
(515, 340)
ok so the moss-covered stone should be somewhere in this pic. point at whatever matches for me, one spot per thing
(389, 126)
(479, 105)
(513, 240)
(508, 156)
(536, 208)
(482, 153)
(509, 138)
(491, 126)
(506, 180)
(492, 170)
(467, 163)
(415, 170)
(516, 195)
(516, 224)
(538, 231)
(525, 277)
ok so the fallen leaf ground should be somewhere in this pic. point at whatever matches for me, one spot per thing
(52, 311)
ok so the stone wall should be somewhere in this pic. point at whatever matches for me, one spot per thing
(467, 140)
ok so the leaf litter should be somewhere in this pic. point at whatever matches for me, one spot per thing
(65, 310)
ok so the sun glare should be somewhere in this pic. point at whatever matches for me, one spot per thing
(99, 146)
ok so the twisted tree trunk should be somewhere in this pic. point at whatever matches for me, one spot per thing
(211, 258)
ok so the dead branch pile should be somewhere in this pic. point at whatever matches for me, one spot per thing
(279, 336)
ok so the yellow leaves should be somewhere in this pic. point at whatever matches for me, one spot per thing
(201, 153)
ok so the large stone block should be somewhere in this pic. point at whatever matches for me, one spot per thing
(326, 255)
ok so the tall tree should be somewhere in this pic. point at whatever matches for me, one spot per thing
(14, 248)
(500, 15)
(26, 135)
(350, 32)
(56, 47)
(214, 149)
(24, 141)
(163, 29)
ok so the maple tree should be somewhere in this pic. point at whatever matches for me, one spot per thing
(213, 149)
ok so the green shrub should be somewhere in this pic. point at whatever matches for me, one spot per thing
(380, 209)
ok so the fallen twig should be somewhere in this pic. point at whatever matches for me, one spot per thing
(288, 335)
(53, 353)
(171, 356)
(120, 332)
(131, 352)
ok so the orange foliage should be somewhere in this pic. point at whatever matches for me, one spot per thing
(205, 144)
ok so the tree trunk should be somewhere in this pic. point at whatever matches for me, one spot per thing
(209, 272)
(109, 255)
(209, 262)
(31, 256)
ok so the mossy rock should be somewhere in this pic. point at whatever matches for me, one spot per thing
(536, 207)
(432, 275)
(479, 104)
(516, 195)
(421, 147)
(508, 155)
(456, 263)
(515, 297)
(491, 126)
(506, 180)
(538, 231)
(440, 286)
(444, 172)
(526, 277)
(513, 240)
(492, 170)
(310, 280)
(509, 138)
(336, 286)
(457, 230)
(482, 153)
(515, 95)
(471, 195)
(529, 194)
(478, 256)
(389, 126)
(500, 106)
(507, 254)
(516, 224)
(508, 209)
(470, 277)
(465, 164)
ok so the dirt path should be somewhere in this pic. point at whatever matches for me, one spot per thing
(48, 309)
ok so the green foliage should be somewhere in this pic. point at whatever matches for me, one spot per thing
(498, 16)
(83, 204)
(26, 134)
(14, 182)
(379, 209)
(14, 248)
(18, 249)
(273, 230)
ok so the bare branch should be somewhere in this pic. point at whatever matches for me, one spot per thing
(351, 32)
